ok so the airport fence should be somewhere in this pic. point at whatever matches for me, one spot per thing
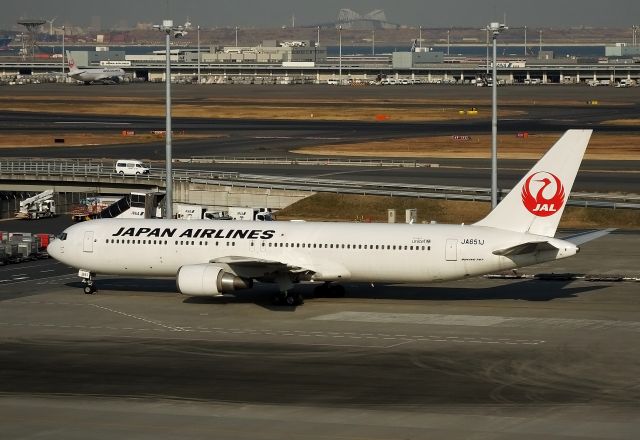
(58, 171)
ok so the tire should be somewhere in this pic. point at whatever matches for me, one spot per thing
(89, 290)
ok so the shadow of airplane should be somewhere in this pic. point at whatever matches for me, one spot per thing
(261, 294)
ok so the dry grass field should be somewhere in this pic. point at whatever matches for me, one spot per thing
(603, 146)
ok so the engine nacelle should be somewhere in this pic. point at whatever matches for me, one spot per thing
(208, 280)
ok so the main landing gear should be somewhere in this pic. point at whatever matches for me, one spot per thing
(286, 296)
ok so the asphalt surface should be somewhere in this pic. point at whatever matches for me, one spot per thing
(473, 358)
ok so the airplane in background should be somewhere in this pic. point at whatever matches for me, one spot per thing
(90, 75)
(212, 258)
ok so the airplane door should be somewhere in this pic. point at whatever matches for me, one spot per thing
(451, 251)
(88, 241)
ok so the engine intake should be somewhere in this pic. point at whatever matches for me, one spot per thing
(208, 280)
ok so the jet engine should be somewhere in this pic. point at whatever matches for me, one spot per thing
(208, 280)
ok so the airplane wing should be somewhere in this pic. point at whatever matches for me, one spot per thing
(258, 267)
(585, 237)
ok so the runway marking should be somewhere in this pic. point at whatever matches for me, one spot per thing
(312, 138)
(177, 329)
(59, 277)
(413, 318)
(91, 123)
(477, 320)
(394, 341)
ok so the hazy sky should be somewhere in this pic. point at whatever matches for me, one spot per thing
(270, 13)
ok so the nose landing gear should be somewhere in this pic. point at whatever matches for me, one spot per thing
(88, 279)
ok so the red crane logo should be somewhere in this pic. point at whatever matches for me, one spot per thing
(534, 198)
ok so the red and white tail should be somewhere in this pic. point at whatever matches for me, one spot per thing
(536, 203)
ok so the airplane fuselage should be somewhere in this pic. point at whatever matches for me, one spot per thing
(332, 251)
(89, 75)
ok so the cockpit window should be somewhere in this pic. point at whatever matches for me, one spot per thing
(62, 236)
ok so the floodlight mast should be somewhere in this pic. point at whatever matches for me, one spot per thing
(495, 29)
(177, 31)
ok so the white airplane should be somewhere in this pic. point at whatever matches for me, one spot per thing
(90, 75)
(211, 258)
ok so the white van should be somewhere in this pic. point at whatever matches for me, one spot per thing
(131, 167)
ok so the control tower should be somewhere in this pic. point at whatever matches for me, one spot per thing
(33, 26)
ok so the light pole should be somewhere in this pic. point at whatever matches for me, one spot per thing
(236, 36)
(373, 41)
(495, 29)
(540, 50)
(448, 41)
(318, 38)
(487, 58)
(63, 52)
(420, 38)
(169, 30)
(525, 41)
(198, 54)
(340, 56)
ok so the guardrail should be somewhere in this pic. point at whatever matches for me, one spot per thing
(59, 169)
(311, 161)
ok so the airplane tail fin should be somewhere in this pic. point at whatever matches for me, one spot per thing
(536, 203)
(71, 62)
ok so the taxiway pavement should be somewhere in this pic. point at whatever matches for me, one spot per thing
(478, 357)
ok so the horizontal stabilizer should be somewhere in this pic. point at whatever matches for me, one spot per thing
(585, 237)
(526, 248)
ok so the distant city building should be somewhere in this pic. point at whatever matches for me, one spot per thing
(376, 19)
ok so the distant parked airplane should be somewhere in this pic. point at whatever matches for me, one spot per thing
(210, 258)
(91, 75)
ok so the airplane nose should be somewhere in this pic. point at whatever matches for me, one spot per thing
(54, 249)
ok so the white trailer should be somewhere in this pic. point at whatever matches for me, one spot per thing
(250, 214)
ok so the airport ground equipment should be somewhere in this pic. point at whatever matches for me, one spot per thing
(39, 206)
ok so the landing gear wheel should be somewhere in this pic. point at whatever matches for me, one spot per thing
(89, 289)
(294, 299)
(289, 299)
